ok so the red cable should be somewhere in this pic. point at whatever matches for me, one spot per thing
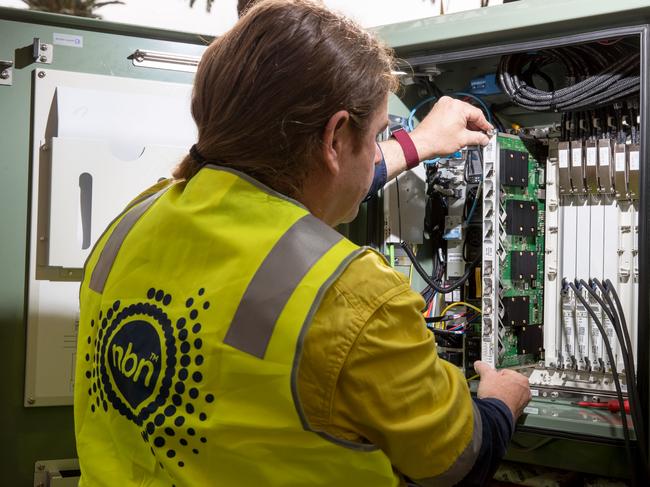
(611, 405)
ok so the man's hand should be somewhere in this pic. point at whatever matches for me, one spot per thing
(450, 125)
(507, 385)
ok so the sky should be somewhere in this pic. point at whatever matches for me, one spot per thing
(176, 14)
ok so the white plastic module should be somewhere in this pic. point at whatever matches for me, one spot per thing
(634, 308)
(610, 269)
(582, 272)
(552, 278)
(568, 238)
(626, 288)
(596, 259)
(491, 301)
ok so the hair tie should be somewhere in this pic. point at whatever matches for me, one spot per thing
(196, 155)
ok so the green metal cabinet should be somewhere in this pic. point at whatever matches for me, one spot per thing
(39, 433)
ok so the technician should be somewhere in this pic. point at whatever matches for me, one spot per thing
(387, 168)
(229, 336)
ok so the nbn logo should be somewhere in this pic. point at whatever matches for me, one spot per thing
(135, 359)
(130, 365)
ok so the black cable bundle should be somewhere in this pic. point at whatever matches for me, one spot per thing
(594, 77)
(617, 318)
(436, 285)
(437, 273)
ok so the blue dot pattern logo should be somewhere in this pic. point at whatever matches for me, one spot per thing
(147, 366)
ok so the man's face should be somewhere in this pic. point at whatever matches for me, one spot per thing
(358, 165)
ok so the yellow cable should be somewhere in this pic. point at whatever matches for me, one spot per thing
(473, 377)
(459, 303)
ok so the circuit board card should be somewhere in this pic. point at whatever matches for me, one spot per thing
(513, 253)
(519, 244)
(522, 253)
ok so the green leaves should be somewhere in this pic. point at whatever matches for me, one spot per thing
(80, 8)
(208, 4)
(242, 5)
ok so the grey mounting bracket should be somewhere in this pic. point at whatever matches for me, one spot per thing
(42, 53)
(6, 72)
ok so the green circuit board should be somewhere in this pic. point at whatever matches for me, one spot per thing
(531, 198)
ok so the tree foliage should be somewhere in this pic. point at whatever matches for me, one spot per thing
(208, 4)
(80, 8)
(241, 5)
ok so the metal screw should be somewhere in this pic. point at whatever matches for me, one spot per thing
(555, 395)
(40, 466)
(30, 400)
(43, 59)
(43, 47)
(4, 74)
(41, 74)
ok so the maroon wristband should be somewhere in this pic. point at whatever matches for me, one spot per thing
(408, 147)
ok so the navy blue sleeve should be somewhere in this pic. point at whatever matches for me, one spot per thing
(378, 180)
(498, 428)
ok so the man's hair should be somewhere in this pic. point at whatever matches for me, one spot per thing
(265, 90)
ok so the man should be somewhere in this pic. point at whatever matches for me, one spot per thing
(392, 162)
(229, 336)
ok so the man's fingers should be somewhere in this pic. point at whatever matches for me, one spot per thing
(473, 126)
(475, 117)
(475, 138)
(483, 368)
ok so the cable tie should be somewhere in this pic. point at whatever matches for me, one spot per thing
(553, 106)
(517, 91)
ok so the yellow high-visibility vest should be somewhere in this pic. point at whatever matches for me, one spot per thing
(194, 305)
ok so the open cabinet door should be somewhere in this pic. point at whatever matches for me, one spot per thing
(99, 141)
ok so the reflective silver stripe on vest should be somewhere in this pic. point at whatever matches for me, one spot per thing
(114, 243)
(275, 281)
(465, 461)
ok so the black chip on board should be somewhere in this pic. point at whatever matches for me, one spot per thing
(530, 340)
(514, 168)
(521, 218)
(516, 310)
(523, 265)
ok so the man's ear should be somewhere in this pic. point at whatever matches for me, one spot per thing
(333, 140)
